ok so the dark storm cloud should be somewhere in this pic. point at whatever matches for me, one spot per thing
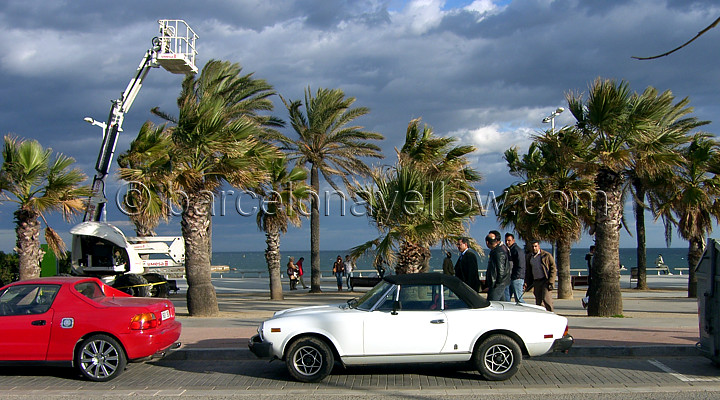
(484, 72)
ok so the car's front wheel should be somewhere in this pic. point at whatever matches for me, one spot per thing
(100, 358)
(309, 359)
(498, 358)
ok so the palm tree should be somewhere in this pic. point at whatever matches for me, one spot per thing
(551, 203)
(420, 202)
(653, 157)
(283, 194)
(38, 183)
(332, 147)
(215, 139)
(146, 200)
(615, 121)
(689, 198)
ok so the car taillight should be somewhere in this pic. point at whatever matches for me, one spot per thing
(144, 321)
(567, 330)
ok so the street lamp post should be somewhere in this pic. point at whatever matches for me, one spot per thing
(551, 118)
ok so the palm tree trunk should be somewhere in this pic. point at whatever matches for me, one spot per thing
(272, 256)
(315, 231)
(143, 231)
(411, 258)
(695, 252)
(605, 296)
(639, 207)
(27, 230)
(201, 297)
(563, 269)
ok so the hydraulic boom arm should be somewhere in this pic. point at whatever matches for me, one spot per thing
(175, 51)
(97, 201)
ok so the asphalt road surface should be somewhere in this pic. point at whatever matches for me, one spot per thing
(545, 377)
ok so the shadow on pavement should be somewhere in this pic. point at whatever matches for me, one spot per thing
(42, 370)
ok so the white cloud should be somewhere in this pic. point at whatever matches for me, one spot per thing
(482, 6)
(419, 16)
(492, 138)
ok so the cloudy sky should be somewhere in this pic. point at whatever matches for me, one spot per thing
(486, 72)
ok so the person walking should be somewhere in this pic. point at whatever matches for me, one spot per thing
(299, 265)
(498, 270)
(292, 273)
(448, 264)
(466, 267)
(338, 269)
(541, 272)
(517, 276)
(349, 267)
(506, 249)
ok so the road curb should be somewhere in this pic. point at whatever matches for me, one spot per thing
(629, 351)
(220, 354)
(239, 353)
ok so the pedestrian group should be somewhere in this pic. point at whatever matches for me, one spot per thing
(510, 270)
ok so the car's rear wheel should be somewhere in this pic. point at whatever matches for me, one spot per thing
(309, 359)
(100, 358)
(498, 358)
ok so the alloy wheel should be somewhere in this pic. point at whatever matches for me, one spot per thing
(308, 360)
(99, 359)
(498, 359)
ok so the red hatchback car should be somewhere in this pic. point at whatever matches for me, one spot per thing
(82, 322)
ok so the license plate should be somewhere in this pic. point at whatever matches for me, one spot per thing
(165, 314)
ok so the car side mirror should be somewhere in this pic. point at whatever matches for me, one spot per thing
(396, 307)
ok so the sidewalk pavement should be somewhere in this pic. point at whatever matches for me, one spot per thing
(661, 321)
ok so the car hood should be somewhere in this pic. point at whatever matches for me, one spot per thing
(311, 310)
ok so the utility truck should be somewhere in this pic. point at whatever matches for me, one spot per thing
(140, 266)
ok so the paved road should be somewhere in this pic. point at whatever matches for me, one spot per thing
(254, 378)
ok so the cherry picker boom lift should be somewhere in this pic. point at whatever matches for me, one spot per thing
(137, 265)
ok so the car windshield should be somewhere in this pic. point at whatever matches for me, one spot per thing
(369, 299)
(27, 299)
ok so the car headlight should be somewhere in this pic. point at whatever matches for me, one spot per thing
(260, 330)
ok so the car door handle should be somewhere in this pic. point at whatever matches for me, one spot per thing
(39, 322)
(437, 321)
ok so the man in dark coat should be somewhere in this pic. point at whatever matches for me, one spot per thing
(498, 271)
(517, 276)
(466, 267)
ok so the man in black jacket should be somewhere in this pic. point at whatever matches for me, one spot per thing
(498, 271)
(517, 276)
(466, 267)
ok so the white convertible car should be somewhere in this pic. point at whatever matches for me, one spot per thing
(414, 318)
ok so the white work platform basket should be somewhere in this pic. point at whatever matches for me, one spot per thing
(177, 46)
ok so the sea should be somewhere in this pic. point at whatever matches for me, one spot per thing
(247, 261)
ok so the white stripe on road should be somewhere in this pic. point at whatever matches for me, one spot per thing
(680, 376)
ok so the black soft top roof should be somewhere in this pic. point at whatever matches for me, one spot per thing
(463, 291)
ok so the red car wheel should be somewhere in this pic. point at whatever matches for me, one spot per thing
(100, 358)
